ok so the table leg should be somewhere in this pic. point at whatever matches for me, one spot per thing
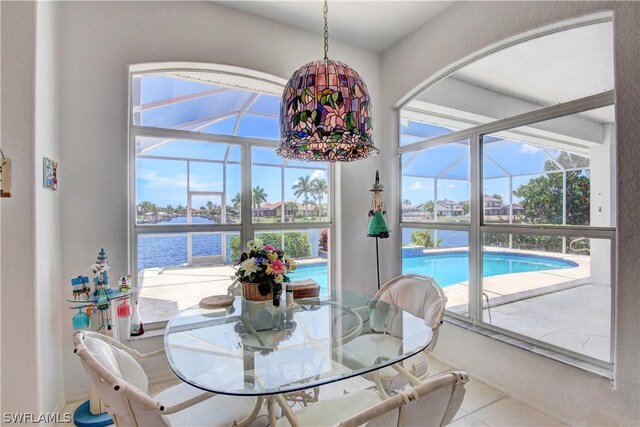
(408, 375)
(271, 411)
(379, 386)
(287, 410)
(252, 416)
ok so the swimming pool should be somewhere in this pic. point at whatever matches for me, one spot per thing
(318, 273)
(451, 267)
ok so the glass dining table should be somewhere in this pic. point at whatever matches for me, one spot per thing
(256, 349)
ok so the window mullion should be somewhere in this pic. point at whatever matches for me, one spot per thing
(475, 233)
(246, 195)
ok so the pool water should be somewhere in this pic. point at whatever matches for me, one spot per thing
(318, 274)
(449, 268)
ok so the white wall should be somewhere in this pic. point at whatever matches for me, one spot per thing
(47, 213)
(459, 33)
(32, 352)
(19, 361)
(98, 41)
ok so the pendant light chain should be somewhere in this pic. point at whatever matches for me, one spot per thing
(326, 30)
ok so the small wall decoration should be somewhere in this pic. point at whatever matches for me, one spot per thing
(5, 176)
(50, 175)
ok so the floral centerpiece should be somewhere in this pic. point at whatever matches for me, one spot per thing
(263, 269)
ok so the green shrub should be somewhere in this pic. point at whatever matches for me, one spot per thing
(423, 238)
(296, 244)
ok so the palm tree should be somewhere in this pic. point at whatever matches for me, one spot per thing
(179, 209)
(319, 189)
(236, 201)
(259, 196)
(169, 209)
(303, 187)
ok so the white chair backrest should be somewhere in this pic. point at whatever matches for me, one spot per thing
(118, 379)
(432, 403)
(420, 295)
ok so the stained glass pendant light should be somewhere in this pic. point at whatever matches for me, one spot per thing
(325, 112)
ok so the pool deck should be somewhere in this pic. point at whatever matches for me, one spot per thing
(562, 307)
(166, 291)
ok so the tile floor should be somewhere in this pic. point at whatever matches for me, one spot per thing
(482, 405)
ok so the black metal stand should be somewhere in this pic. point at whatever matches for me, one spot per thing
(378, 262)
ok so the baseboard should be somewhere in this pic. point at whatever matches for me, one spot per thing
(60, 406)
(76, 396)
(162, 377)
(510, 393)
(83, 394)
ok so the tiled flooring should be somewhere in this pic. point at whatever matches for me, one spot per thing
(482, 405)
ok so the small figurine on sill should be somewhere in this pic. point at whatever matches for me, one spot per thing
(125, 283)
(81, 289)
(103, 306)
(100, 270)
(102, 290)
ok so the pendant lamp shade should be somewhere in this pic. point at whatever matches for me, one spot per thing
(325, 114)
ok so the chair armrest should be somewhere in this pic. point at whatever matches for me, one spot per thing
(168, 410)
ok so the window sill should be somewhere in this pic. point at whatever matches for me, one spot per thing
(605, 372)
(153, 331)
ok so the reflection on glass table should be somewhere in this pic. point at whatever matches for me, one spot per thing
(254, 349)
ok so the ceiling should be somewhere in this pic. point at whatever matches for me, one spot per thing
(372, 25)
(552, 69)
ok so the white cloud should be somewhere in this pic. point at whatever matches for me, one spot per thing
(318, 174)
(417, 186)
(154, 180)
(451, 186)
(529, 149)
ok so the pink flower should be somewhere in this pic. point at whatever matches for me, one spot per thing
(269, 248)
(278, 267)
(335, 116)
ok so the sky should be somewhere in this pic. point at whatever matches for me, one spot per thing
(164, 182)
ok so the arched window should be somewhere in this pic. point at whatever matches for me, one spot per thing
(508, 190)
(205, 180)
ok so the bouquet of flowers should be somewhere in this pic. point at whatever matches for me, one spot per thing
(264, 266)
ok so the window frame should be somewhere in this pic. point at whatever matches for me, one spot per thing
(246, 227)
(476, 225)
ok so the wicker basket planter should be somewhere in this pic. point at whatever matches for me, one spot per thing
(250, 292)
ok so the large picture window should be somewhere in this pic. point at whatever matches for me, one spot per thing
(508, 193)
(205, 180)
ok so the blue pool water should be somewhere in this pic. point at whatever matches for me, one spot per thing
(318, 273)
(449, 268)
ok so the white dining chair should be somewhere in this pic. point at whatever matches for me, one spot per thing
(421, 296)
(434, 402)
(122, 384)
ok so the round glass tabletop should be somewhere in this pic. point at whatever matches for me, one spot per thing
(255, 349)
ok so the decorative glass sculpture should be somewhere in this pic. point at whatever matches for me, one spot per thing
(81, 320)
(124, 309)
(325, 112)
(378, 223)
